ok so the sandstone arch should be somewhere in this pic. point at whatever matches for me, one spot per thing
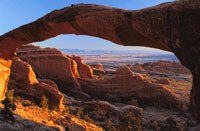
(173, 26)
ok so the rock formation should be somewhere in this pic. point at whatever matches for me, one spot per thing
(102, 111)
(84, 70)
(50, 63)
(5, 66)
(173, 26)
(126, 86)
(25, 84)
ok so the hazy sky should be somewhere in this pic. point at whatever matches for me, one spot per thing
(14, 13)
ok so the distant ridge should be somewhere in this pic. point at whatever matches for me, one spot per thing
(136, 51)
(121, 57)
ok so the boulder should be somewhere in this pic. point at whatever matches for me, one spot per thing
(163, 81)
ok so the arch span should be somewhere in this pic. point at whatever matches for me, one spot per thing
(173, 26)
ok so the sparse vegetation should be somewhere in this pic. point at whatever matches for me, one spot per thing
(83, 115)
(109, 126)
(79, 112)
(9, 106)
(44, 102)
(88, 119)
(131, 122)
(101, 76)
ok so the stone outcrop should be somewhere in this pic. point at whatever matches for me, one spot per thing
(176, 30)
(126, 86)
(84, 70)
(25, 84)
(5, 66)
(102, 111)
(50, 63)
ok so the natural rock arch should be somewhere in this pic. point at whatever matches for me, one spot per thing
(173, 26)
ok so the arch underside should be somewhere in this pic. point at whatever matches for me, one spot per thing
(173, 26)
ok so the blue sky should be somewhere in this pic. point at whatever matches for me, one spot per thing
(14, 13)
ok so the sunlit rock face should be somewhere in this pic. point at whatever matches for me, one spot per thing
(173, 26)
(50, 63)
(25, 84)
(84, 70)
(4, 77)
(126, 86)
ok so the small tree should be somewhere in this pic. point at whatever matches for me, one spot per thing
(131, 122)
(109, 126)
(79, 112)
(88, 119)
(44, 102)
(9, 106)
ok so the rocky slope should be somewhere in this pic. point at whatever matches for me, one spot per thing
(32, 117)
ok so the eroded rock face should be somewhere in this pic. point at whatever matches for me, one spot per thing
(84, 70)
(126, 86)
(49, 63)
(176, 30)
(25, 84)
(5, 66)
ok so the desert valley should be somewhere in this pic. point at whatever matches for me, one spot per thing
(78, 89)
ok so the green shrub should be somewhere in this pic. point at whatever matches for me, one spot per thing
(44, 102)
(88, 119)
(131, 122)
(109, 126)
(27, 103)
(79, 112)
(9, 106)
